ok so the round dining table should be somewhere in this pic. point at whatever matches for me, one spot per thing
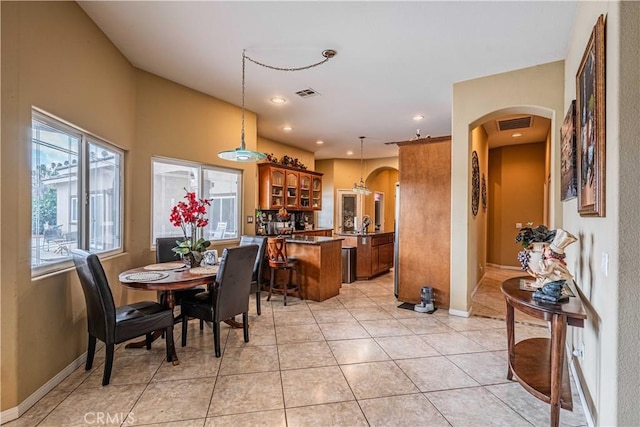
(156, 278)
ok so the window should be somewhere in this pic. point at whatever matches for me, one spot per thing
(67, 163)
(220, 185)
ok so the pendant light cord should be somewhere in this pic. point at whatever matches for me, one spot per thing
(242, 144)
(361, 158)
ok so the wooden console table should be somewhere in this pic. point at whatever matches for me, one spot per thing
(538, 363)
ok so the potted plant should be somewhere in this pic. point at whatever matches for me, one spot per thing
(191, 216)
(533, 241)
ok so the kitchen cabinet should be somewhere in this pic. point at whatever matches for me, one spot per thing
(293, 189)
(374, 253)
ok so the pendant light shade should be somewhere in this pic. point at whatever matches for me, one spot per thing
(241, 154)
(360, 187)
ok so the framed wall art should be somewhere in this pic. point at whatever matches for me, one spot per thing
(568, 173)
(475, 183)
(590, 124)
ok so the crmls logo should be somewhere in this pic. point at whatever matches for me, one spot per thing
(102, 418)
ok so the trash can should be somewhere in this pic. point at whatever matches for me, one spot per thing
(348, 264)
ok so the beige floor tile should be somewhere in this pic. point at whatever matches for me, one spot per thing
(435, 373)
(472, 323)
(490, 339)
(357, 351)
(173, 401)
(333, 316)
(40, 410)
(369, 313)
(406, 347)
(76, 378)
(239, 394)
(385, 328)
(83, 406)
(305, 355)
(194, 363)
(245, 360)
(298, 317)
(485, 368)
(129, 368)
(198, 422)
(328, 415)
(356, 302)
(343, 331)
(534, 410)
(452, 343)
(377, 379)
(328, 304)
(287, 334)
(259, 334)
(274, 418)
(429, 325)
(401, 411)
(293, 304)
(315, 386)
(481, 408)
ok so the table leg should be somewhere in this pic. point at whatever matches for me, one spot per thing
(510, 339)
(558, 336)
(170, 302)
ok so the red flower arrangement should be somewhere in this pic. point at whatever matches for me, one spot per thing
(191, 216)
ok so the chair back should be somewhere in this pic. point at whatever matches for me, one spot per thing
(164, 249)
(101, 310)
(262, 247)
(233, 281)
(277, 252)
(220, 230)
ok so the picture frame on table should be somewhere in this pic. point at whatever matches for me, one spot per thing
(568, 172)
(590, 125)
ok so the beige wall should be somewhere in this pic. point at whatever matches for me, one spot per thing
(478, 226)
(79, 76)
(278, 149)
(611, 335)
(382, 181)
(536, 90)
(516, 194)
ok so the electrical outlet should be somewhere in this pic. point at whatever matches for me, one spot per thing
(518, 225)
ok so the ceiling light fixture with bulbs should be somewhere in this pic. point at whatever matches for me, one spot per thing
(241, 154)
(360, 187)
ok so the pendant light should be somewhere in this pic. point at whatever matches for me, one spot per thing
(241, 154)
(360, 187)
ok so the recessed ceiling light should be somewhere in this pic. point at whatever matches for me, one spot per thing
(516, 135)
(319, 142)
(418, 117)
(287, 128)
(278, 100)
(349, 153)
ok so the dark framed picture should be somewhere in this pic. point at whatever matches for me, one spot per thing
(590, 124)
(568, 172)
(475, 183)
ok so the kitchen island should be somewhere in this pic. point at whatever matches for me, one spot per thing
(320, 261)
(374, 252)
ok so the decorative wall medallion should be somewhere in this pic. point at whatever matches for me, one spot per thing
(475, 183)
(483, 192)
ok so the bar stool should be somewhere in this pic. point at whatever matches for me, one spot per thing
(278, 260)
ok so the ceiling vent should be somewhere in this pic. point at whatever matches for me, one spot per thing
(517, 123)
(307, 93)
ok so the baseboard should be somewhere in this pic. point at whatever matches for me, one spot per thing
(15, 412)
(588, 407)
(459, 313)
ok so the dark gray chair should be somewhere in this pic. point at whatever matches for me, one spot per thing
(113, 325)
(164, 253)
(228, 297)
(256, 279)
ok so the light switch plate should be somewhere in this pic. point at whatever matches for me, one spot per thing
(249, 219)
(605, 264)
(518, 225)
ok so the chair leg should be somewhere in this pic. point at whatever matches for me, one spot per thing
(258, 308)
(169, 343)
(91, 350)
(287, 285)
(149, 340)
(184, 330)
(201, 325)
(273, 272)
(216, 337)
(108, 364)
(245, 326)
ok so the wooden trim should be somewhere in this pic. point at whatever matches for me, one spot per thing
(422, 140)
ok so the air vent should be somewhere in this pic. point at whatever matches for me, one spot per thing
(307, 93)
(517, 123)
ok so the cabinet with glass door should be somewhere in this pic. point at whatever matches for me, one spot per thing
(291, 190)
(305, 191)
(316, 193)
(272, 187)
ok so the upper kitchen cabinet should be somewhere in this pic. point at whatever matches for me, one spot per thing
(293, 189)
(272, 187)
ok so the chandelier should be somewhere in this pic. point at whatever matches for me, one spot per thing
(360, 187)
(241, 154)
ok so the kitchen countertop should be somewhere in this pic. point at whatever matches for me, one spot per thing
(315, 229)
(375, 233)
(311, 240)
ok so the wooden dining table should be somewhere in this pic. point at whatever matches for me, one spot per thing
(156, 277)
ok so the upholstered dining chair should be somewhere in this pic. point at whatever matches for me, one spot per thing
(113, 325)
(256, 279)
(228, 297)
(164, 253)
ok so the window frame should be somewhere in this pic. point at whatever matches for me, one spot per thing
(201, 169)
(86, 139)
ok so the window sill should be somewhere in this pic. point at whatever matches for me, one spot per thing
(43, 273)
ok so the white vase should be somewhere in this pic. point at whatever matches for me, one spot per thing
(536, 254)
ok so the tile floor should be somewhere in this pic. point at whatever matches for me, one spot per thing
(353, 360)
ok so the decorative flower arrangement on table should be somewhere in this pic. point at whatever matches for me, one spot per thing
(191, 216)
(527, 236)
